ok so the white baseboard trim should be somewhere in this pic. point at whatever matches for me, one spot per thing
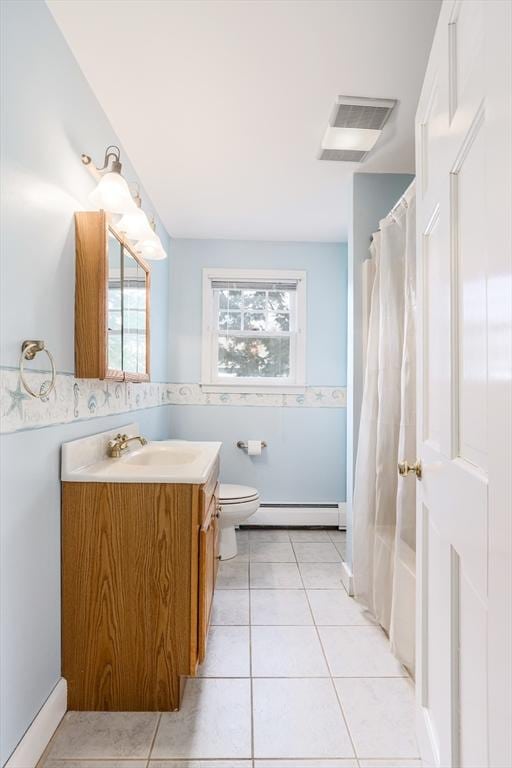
(298, 516)
(28, 752)
(347, 578)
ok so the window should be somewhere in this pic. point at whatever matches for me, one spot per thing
(253, 329)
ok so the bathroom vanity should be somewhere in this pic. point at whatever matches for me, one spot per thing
(139, 564)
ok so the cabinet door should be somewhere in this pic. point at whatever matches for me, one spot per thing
(216, 541)
(207, 572)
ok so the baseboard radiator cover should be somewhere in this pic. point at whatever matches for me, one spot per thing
(299, 515)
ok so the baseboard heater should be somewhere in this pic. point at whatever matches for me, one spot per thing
(293, 515)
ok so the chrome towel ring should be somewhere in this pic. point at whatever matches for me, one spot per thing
(29, 350)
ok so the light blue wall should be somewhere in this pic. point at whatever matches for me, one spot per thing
(372, 197)
(326, 267)
(305, 459)
(49, 117)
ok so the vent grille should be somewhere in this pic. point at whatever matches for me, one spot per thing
(347, 155)
(355, 113)
(358, 113)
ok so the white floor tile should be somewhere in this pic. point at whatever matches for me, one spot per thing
(333, 607)
(359, 652)
(93, 764)
(298, 719)
(321, 575)
(195, 764)
(242, 554)
(287, 652)
(316, 552)
(214, 722)
(264, 534)
(271, 552)
(337, 536)
(230, 606)
(100, 735)
(343, 763)
(280, 607)
(233, 574)
(227, 653)
(380, 715)
(241, 535)
(390, 763)
(312, 536)
(275, 576)
(342, 549)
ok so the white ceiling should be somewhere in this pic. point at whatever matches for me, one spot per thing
(222, 104)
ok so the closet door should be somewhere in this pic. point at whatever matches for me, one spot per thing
(463, 130)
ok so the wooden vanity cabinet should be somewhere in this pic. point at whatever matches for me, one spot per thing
(139, 563)
(209, 560)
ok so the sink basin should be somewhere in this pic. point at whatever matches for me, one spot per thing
(162, 456)
(165, 461)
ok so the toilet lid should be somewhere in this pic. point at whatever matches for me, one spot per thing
(234, 494)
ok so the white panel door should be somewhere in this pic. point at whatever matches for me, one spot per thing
(464, 167)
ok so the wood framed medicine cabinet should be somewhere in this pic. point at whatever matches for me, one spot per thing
(112, 303)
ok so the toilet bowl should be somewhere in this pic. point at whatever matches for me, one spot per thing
(236, 504)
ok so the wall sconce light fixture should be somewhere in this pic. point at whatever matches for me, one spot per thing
(112, 193)
(135, 225)
(114, 196)
(151, 248)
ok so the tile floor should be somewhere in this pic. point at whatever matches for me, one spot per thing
(296, 676)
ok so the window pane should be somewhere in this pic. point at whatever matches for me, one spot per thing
(134, 320)
(255, 299)
(279, 300)
(255, 357)
(255, 321)
(278, 321)
(115, 361)
(230, 321)
(114, 320)
(134, 351)
(114, 297)
(230, 299)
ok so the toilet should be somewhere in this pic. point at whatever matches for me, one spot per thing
(236, 504)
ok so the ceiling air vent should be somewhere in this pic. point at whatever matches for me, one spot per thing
(354, 128)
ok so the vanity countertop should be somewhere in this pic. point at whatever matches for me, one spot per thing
(162, 461)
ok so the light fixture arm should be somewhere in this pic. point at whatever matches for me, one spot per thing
(113, 153)
(135, 193)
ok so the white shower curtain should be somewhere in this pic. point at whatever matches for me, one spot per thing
(384, 505)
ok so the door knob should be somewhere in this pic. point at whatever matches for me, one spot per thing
(404, 468)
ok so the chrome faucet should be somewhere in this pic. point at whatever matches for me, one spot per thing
(119, 444)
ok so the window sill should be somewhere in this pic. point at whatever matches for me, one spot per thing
(254, 389)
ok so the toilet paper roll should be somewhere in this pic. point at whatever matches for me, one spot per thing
(254, 447)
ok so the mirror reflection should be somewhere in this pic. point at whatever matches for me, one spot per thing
(114, 304)
(127, 310)
(134, 315)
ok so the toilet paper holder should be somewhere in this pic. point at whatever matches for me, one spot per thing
(244, 446)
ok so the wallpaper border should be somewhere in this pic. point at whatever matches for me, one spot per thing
(75, 400)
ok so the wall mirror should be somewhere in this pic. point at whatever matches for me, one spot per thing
(112, 334)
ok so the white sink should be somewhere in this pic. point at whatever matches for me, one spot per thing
(162, 455)
(166, 461)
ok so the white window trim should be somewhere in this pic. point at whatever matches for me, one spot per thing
(277, 386)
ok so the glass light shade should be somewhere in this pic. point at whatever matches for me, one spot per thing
(151, 250)
(113, 195)
(362, 139)
(135, 226)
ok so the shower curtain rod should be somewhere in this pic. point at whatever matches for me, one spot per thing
(401, 199)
